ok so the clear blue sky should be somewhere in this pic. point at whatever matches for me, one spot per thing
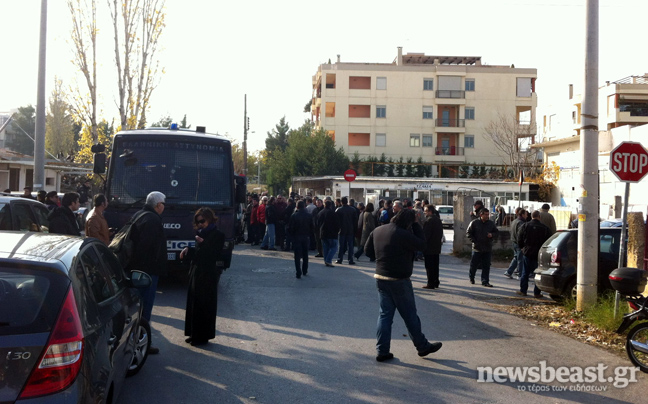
(214, 52)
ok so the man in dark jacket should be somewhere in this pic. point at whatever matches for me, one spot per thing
(290, 209)
(149, 250)
(328, 228)
(62, 219)
(433, 231)
(85, 194)
(530, 238)
(270, 213)
(319, 206)
(348, 218)
(481, 231)
(280, 227)
(300, 226)
(393, 246)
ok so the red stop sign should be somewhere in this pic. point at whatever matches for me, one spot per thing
(629, 161)
(350, 175)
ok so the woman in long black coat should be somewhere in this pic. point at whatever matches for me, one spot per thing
(202, 297)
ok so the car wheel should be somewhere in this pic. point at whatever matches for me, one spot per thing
(637, 346)
(570, 291)
(142, 338)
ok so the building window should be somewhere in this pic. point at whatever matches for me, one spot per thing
(470, 84)
(381, 83)
(469, 141)
(428, 84)
(381, 111)
(330, 80)
(470, 113)
(428, 112)
(329, 110)
(381, 139)
(524, 87)
(415, 140)
(359, 139)
(427, 140)
(359, 83)
(359, 111)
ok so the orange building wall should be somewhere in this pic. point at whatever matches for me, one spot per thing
(359, 111)
(359, 139)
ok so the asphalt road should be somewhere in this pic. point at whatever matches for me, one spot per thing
(284, 340)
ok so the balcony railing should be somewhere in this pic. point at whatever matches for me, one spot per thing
(449, 151)
(450, 94)
(451, 123)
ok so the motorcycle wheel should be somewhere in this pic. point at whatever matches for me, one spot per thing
(637, 346)
(141, 349)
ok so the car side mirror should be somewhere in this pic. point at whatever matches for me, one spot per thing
(140, 280)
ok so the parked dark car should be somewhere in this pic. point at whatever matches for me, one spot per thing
(70, 320)
(556, 272)
(23, 214)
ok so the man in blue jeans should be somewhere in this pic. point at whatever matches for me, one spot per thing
(348, 220)
(393, 246)
(481, 232)
(328, 228)
(530, 238)
(516, 225)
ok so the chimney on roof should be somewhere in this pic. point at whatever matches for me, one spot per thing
(399, 61)
(571, 91)
(436, 62)
(338, 59)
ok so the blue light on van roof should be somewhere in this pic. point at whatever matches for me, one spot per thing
(174, 126)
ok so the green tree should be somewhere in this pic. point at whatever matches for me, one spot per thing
(379, 169)
(389, 170)
(420, 168)
(356, 163)
(164, 122)
(20, 133)
(400, 168)
(59, 125)
(105, 131)
(409, 168)
(278, 138)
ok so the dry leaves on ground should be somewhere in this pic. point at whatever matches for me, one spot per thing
(556, 318)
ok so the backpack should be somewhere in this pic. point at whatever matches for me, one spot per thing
(122, 245)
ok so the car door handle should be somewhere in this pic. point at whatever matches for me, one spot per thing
(112, 339)
(128, 320)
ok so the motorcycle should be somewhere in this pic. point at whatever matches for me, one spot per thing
(631, 282)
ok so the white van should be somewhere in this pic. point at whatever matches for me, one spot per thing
(446, 213)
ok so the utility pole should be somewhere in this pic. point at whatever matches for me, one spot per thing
(39, 136)
(588, 208)
(246, 126)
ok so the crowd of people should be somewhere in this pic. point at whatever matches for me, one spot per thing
(393, 234)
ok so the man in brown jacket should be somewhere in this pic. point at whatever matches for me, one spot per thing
(96, 225)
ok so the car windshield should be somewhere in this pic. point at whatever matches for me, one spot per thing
(445, 210)
(188, 173)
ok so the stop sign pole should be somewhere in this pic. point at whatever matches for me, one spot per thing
(629, 162)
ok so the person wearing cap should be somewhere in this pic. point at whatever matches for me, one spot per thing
(149, 250)
(52, 200)
(27, 193)
(481, 233)
(477, 206)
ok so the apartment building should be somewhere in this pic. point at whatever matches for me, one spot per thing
(420, 106)
(623, 115)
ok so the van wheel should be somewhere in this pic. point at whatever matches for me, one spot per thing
(142, 337)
